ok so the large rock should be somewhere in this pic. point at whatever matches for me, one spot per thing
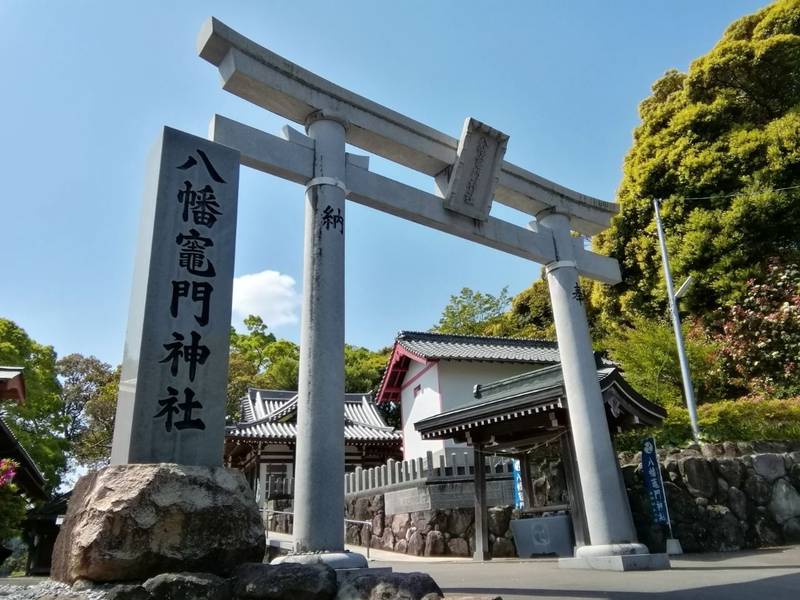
(128, 522)
(258, 581)
(769, 466)
(416, 544)
(757, 489)
(498, 518)
(785, 503)
(197, 586)
(361, 510)
(458, 547)
(459, 520)
(699, 476)
(731, 470)
(394, 586)
(737, 502)
(725, 531)
(434, 544)
(400, 524)
(503, 548)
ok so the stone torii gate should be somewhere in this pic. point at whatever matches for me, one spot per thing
(468, 174)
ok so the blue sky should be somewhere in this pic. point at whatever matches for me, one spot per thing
(87, 86)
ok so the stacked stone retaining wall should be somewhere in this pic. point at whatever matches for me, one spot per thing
(722, 497)
(438, 532)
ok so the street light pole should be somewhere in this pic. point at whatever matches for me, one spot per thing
(676, 324)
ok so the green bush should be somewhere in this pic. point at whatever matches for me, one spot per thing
(743, 420)
(12, 511)
(648, 356)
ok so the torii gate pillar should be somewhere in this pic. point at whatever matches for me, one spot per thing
(611, 530)
(318, 524)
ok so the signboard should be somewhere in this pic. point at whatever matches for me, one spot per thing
(171, 405)
(653, 483)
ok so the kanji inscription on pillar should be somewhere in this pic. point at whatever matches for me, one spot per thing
(171, 405)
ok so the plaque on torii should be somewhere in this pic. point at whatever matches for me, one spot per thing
(468, 175)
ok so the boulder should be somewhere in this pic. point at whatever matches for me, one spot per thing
(109, 591)
(724, 528)
(458, 547)
(731, 470)
(699, 476)
(353, 534)
(416, 544)
(129, 522)
(361, 510)
(197, 586)
(498, 519)
(459, 520)
(387, 541)
(791, 531)
(794, 475)
(737, 502)
(377, 524)
(401, 547)
(769, 466)
(785, 503)
(757, 489)
(394, 586)
(400, 524)
(434, 544)
(767, 532)
(503, 548)
(258, 581)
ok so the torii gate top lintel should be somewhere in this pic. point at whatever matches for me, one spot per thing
(268, 80)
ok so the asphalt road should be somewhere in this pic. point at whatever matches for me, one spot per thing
(768, 574)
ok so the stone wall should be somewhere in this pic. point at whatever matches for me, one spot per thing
(722, 497)
(437, 532)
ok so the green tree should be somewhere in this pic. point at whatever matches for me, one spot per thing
(259, 359)
(92, 447)
(472, 313)
(363, 368)
(648, 356)
(729, 125)
(39, 422)
(82, 379)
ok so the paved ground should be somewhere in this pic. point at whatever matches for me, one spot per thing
(770, 574)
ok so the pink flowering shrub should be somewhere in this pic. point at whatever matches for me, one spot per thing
(12, 504)
(761, 335)
(8, 468)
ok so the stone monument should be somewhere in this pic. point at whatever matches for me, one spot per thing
(166, 502)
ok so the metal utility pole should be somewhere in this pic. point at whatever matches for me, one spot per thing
(676, 325)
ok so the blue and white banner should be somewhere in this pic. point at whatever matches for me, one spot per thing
(653, 483)
(518, 495)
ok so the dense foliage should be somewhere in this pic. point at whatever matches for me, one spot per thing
(729, 125)
(12, 505)
(259, 359)
(761, 335)
(40, 421)
(741, 420)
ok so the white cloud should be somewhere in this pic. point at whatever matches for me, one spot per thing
(271, 295)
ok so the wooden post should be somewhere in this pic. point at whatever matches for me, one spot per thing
(576, 509)
(527, 484)
(481, 514)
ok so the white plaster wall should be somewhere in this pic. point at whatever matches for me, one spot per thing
(426, 404)
(457, 379)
